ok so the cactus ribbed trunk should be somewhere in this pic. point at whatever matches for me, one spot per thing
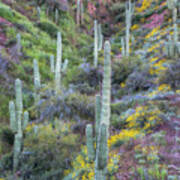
(100, 37)
(37, 82)
(90, 142)
(58, 63)
(12, 112)
(103, 133)
(106, 89)
(52, 63)
(123, 46)
(19, 134)
(26, 119)
(95, 44)
(129, 12)
(18, 37)
(65, 65)
(98, 115)
(19, 101)
(78, 12)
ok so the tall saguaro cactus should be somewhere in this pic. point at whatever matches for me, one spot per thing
(102, 116)
(95, 44)
(58, 63)
(19, 134)
(129, 13)
(52, 63)
(100, 37)
(37, 81)
(78, 11)
(16, 123)
(18, 37)
(173, 45)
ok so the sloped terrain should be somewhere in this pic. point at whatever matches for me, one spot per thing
(144, 137)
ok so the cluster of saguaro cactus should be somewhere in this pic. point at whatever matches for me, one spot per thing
(58, 63)
(102, 116)
(129, 13)
(18, 122)
(173, 46)
(98, 41)
(37, 81)
(79, 12)
(18, 37)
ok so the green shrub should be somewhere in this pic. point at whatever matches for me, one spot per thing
(49, 28)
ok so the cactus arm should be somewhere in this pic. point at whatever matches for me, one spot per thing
(90, 142)
(13, 123)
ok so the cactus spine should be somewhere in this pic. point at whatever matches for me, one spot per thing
(52, 63)
(129, 13)
(18, 37)
(95, 44)
(37, 81)
(58, 63)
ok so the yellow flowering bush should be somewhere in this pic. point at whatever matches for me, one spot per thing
(157, 67)
(152, 33)
(144, 117)
(124, 135)
(84, 169)
(164, 87)
(145, 5)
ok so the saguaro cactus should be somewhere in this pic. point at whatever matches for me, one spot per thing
(65, 65)
(90, 142)
(129, 13)
(38, 13)
(102, 121)
(106, 90)
(18, 37)
(123, 46)
(56, 16)
(78, 11)
(19, 135)
(26, 119)
(19, 102)
(95, 44)
(58, 63)
(100, 37)
(13, 124)
(52, 63)
(98, 115)
(173, 46)
(37, 81)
